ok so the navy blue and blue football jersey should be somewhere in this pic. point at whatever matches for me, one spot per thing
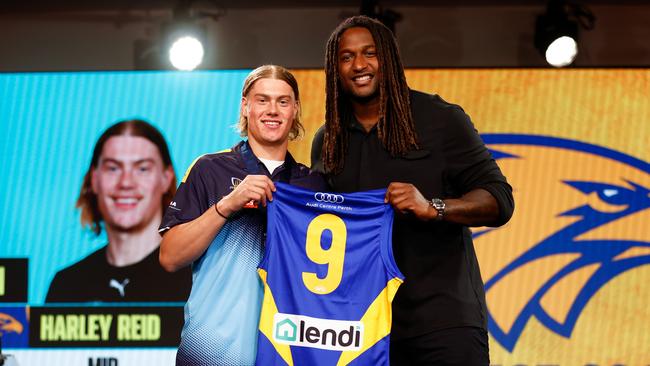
(329, 279)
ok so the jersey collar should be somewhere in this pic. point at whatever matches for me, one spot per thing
(253, 165)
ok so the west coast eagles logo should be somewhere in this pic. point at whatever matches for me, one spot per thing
(14, 327)
(234, 182)
(582, 219)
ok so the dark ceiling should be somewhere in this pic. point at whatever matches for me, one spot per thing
(41, 6)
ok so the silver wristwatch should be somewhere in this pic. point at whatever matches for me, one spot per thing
(439, 205)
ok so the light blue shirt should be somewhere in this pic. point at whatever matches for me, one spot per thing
(222, 312)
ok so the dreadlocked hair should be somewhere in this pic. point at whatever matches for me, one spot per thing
(395, 127)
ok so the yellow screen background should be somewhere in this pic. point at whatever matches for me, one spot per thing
(605, 107)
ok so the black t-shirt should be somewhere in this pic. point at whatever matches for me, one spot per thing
(94, 279)
(443, 286)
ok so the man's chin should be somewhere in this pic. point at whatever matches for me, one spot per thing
(126, 227)
(275, 141)
(364, 98)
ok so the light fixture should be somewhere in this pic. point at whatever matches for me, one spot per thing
(181, 40)
(185, 46)
(556, 31)
(185, 35)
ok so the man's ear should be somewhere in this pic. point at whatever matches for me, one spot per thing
(297, 111)
(244, 107)
(168, 177)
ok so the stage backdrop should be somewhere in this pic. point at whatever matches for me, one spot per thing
(566, 279)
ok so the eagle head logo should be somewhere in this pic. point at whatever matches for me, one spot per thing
(9, 324)
(582, 219)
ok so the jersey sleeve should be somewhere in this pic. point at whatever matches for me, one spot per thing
(191, 199)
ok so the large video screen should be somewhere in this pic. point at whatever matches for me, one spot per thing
(50, 125)
(566, 278)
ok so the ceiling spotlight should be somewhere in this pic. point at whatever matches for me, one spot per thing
(185, 35)
(186, 53)
(556, 31)
(181, 42)
(184, 44)
(562, 51)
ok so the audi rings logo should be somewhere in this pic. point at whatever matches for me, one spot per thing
(328, 197)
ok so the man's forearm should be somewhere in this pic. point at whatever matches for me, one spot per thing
(183, 244)
(475, 208)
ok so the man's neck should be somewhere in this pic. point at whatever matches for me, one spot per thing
(270, 152)
(126, 248)
(366, 112)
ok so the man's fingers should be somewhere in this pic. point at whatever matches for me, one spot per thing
(269, 188)
(258, 188)
(401, 203)
(266, 188)
(391, 191)
(403, 197)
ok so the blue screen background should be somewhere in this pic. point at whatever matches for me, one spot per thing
(49, 123)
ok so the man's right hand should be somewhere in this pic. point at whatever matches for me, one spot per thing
(258, 188)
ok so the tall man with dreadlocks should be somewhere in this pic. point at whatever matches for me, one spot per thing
(440, 178)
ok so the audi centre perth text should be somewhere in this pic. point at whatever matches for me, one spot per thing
(329, 201)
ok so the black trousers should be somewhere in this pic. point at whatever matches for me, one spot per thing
(462, 346)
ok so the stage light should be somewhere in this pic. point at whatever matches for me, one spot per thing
(185, 34)
(184, 43)
(556, 31)
(562, 51)
(186, 53)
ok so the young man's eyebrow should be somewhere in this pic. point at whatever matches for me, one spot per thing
(269, 96)
(121, 162)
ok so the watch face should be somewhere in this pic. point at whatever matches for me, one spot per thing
(439, 205)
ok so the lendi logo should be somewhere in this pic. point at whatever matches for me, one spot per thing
(305, 331)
